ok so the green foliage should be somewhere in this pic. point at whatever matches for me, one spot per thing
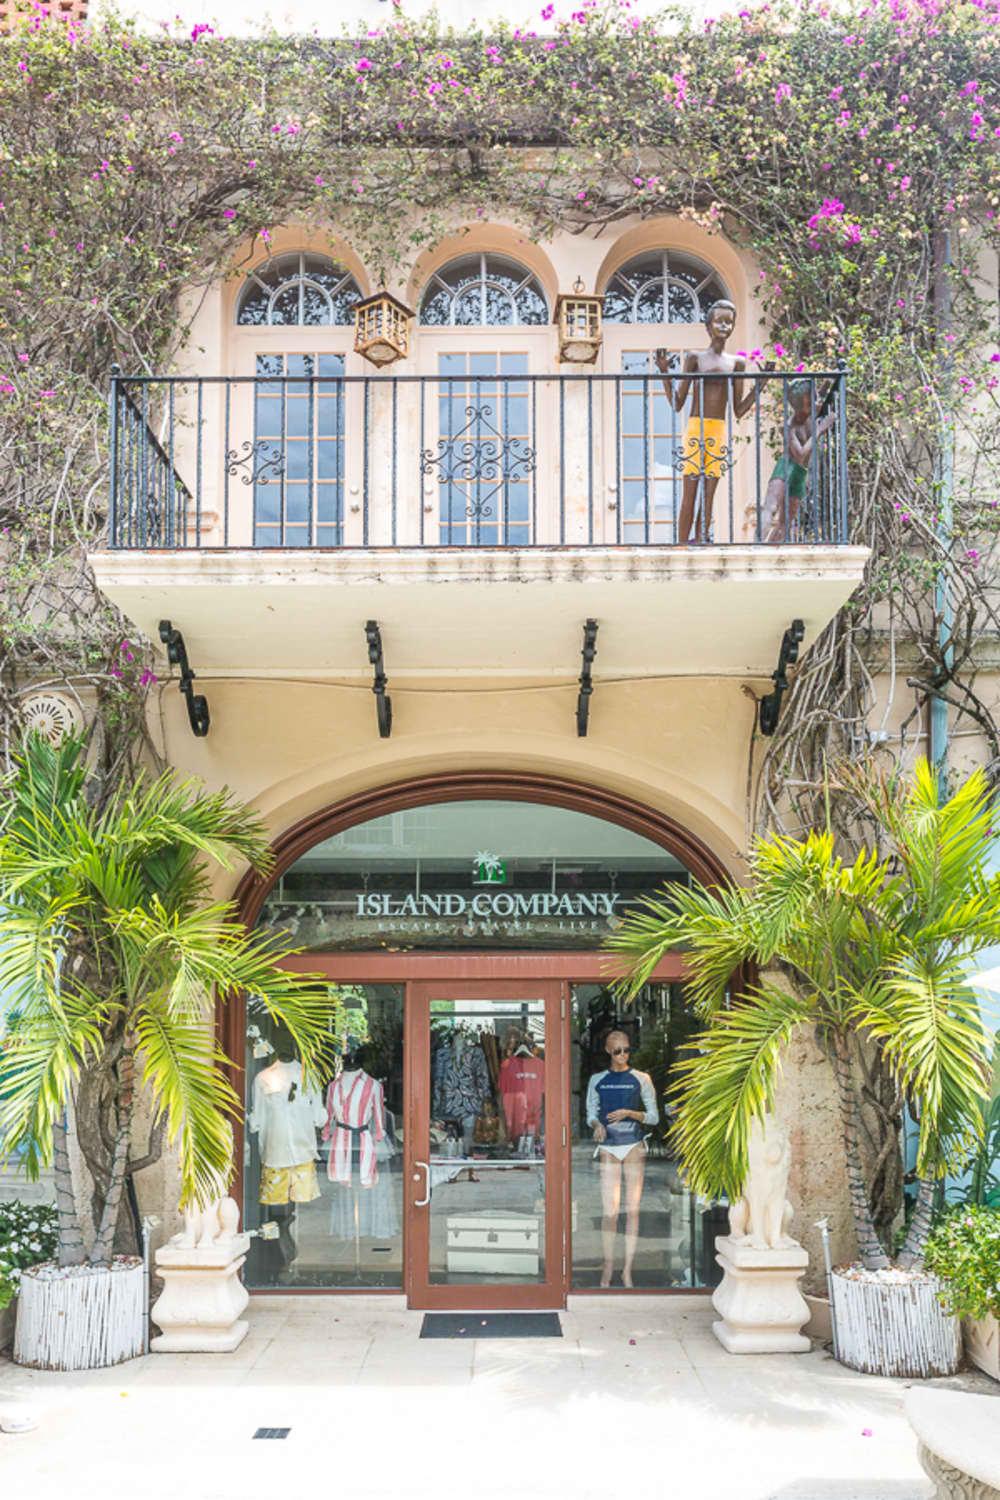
(836, 145)
(880, 946)
(963, 1251)
(28, 1236)
(110, 955)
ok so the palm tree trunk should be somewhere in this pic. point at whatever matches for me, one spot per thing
(873, 1257)
(104, 1241)
(72, 1251)
(912, 1254)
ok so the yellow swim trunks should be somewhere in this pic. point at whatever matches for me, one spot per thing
(288, 1184)
(704, 449)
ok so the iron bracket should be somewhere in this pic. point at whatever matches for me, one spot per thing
(383, 703)
(197, 704)
(769, 707)
(586, 681)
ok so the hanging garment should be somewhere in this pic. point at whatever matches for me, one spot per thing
(355, 1113)
(284, 1116)
(522, 1089)
(373, 1211)
(461, 1082)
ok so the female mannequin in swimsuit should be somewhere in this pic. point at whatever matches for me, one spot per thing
(620, 1103)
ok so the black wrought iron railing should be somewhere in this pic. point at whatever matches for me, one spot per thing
(482, 454)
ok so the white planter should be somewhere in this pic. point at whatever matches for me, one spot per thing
(81, 1318)
(982, 1343)
(894, 1327)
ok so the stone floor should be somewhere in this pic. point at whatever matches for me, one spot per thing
(636, 1400)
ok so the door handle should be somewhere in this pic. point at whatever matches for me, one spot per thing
(422, 1202)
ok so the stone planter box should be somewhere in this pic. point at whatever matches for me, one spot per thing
(982, 1343)
(894, 1327)
(83, 1319)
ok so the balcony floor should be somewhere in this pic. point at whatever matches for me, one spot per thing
(674, 611)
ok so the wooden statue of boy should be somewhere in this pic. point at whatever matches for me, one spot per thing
(704, 453)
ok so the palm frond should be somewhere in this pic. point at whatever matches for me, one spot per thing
(728, 1083)
(182, 1067)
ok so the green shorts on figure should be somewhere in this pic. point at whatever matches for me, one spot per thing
(794, 476)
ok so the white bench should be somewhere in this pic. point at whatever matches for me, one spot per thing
(959, 1438)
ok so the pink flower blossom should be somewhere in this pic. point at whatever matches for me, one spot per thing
(364, 65)
(229, 213)
(780, 351)
(548, 12)
(201, 29)
(783, 91)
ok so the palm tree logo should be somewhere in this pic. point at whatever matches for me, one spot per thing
(488, 869)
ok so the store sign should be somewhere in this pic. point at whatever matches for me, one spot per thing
(536, 905)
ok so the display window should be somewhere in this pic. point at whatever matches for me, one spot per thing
(635, 1225)
(323, 1158)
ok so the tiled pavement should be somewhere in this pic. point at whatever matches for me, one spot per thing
(636, 1400)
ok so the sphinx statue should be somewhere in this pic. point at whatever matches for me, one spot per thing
(762, 1216)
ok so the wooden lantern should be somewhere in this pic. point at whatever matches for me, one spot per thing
(382, 329)
(579, 319)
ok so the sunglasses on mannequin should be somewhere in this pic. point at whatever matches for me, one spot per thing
(621, 1051)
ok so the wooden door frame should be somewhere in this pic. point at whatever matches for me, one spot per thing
(420, 1293)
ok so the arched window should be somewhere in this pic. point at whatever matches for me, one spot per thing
(662, 286)
(483, 291)
(297, 289)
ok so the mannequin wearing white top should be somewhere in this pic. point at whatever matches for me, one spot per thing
(285, 1115)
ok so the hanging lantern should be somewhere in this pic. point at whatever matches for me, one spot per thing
(579, 319)
(382, 329)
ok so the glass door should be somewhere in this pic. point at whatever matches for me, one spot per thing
(485, 1145)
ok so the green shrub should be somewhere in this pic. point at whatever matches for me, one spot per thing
(28, 1235)
(964, 1252)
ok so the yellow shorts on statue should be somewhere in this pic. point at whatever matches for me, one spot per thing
(704, 448)
(288, 1184)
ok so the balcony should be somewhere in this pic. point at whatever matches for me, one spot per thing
(480, 515)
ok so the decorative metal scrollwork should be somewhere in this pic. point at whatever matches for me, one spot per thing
(261, 462)
(704, 456)
(479, 455)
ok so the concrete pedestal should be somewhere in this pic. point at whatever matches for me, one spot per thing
(762, 1310)
(199, 1309)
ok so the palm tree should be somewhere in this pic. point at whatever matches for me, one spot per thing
(110, 952)
(875, 948)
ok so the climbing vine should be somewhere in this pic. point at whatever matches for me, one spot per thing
(853, 149)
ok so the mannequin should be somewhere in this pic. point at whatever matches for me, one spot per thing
(363, 1204)
(620, 1102)
(284, 1116)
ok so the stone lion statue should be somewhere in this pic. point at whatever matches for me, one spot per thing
(762, 1216)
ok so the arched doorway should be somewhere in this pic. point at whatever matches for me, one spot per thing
(459, 920)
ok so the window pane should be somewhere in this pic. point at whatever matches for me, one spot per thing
(634, 1223)
(323, 1165)
(562, 879)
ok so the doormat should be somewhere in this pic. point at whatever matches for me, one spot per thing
(504, 1325)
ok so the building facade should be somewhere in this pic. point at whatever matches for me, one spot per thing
(453, 646)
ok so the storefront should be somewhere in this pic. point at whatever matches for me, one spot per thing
(459, 921)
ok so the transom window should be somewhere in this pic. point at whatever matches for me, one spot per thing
(662, 286)
(297, 289)
(484, 291)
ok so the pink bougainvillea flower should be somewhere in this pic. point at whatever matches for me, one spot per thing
(175, 135)
(783, 91)
(780, 351)
(229, 213)
(548, 12)
(363, 65)
(147, 678)
(202, 28)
